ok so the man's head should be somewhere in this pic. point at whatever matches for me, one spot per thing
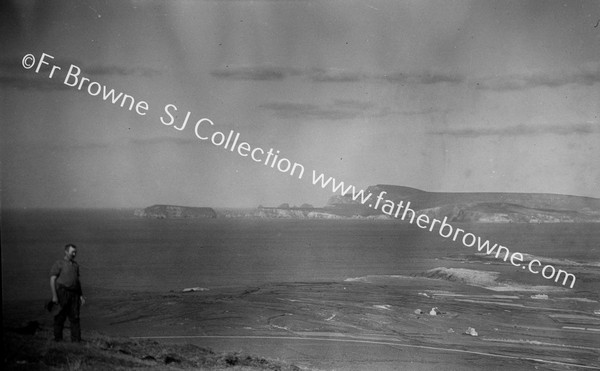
(70, 251)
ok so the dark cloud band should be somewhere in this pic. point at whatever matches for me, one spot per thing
(523, 130)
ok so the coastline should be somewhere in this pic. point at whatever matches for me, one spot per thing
(310, 325)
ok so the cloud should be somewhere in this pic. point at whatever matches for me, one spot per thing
(35, 81)
(354, 104)
(14, 64)
(587, 75)
(523, 82)
(320, 75)
(421, 79)
(14, 75)
(122, 71)
(107, 145)
(523, 130)
(341, 109)
(427, 111)
(258, 73)
(309, 111)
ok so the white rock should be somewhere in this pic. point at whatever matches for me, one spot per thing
(434, 311)
(540, 297)
(471, 331)
(194, 289)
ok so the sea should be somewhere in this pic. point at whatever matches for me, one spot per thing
(117, 250)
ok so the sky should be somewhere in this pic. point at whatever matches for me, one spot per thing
(444, 96)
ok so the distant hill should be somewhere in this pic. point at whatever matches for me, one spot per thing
(477, 207)
(489, 207)
(175, 212)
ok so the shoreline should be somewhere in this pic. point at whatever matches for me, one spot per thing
(291, 321)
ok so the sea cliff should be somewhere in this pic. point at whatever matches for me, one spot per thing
(477, 207)
(175, 212)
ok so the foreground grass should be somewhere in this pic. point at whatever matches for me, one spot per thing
(100, 352)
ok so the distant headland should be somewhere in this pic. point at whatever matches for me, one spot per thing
(474, 207)
(479, 207)
(175, 212)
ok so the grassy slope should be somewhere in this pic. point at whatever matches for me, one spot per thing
(99, 352)
(422, 199)
(520, 207)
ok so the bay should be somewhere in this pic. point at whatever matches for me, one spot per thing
(120, 251)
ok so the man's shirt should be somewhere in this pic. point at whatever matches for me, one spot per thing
(67, 274)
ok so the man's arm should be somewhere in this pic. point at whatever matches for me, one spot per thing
(53, 289)
(81, 297)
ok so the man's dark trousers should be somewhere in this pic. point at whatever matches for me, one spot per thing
(69, 308)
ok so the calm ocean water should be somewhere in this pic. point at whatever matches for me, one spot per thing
(118, 250)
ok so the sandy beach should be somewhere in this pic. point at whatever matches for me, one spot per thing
(364, 323)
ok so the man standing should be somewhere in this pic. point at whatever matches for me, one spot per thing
(66, 291)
